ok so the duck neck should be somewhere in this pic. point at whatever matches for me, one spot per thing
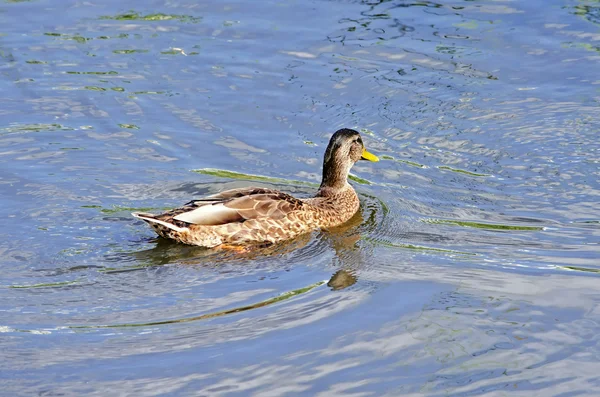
(335, 178)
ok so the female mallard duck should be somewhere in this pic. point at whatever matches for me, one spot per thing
(256, 215)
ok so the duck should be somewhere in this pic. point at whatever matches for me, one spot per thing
(260, 216)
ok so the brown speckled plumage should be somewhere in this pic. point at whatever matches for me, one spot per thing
(256, 215)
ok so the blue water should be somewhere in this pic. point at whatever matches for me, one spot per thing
(472, 269)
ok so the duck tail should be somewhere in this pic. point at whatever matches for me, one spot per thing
(151, 219)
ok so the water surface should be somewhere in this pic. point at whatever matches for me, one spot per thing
(472, 268)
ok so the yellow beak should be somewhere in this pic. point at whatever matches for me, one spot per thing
(368, 156)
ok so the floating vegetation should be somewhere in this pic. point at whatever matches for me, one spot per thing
(134, 16)
(580, 269)
(130, 51)
(477, 225)
(94, 88)
(111, 72)
(445, 167)
(591, 221)
(590, 12)
(45, 285)
(119, 36)
(357, 179)
(29, 331)
(129, 126)
(412, 163)
(267, 302)
(585, 46)
(80, 39)
(15, 128)
(116, 209)
(250, 177)
(76, 37)
(173, 51)
(126, 269)
(413, 247)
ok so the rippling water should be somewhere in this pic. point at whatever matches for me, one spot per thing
(472, 268)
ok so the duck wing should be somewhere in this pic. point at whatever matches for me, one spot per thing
(237, 205)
